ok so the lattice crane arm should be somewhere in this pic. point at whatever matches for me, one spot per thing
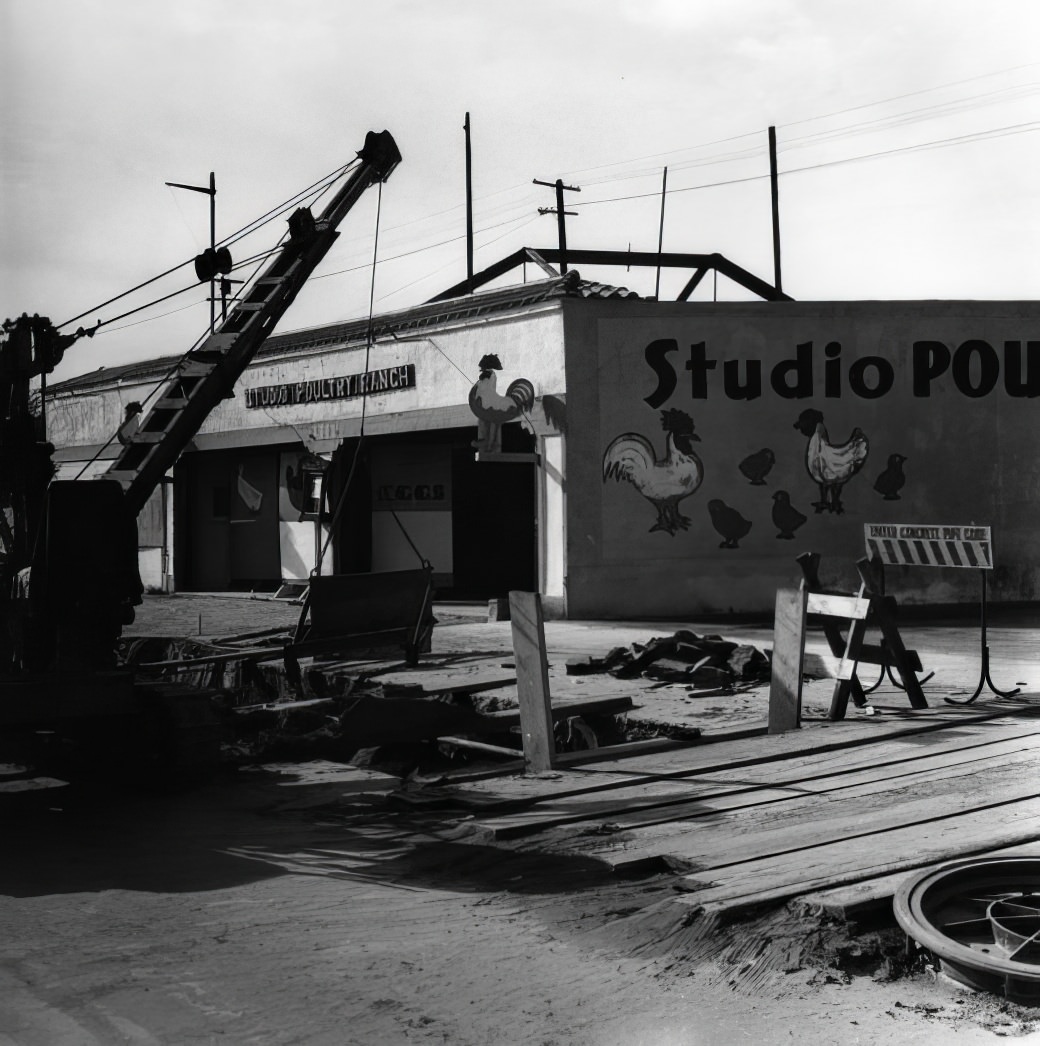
(208, 374)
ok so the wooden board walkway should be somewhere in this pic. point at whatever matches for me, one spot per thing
(764, 820)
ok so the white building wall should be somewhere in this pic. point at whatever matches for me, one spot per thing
(82, 422)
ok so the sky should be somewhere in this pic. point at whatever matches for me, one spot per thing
(908, 141)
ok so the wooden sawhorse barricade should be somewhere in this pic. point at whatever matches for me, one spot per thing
(868, 606)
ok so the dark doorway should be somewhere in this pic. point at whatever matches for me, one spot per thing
(229, 502)
(493, 533)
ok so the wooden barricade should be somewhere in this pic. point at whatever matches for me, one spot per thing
(793, 607)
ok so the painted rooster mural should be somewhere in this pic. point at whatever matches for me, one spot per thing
(664, 482)
(492, 409)
(831, 465)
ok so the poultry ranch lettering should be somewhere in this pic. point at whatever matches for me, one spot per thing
(348, 387)
(974, 368)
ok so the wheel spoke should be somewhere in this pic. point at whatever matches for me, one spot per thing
(1024, 944)
(962, 925)
(1032, 909)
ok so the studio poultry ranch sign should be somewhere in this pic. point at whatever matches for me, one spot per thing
(975, 368)
(387, 379)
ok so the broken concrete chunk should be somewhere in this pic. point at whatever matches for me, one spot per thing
(748, 662)
(583, 666)
(684, 657)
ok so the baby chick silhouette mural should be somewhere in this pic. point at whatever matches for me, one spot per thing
(757, 466)
(729, 523)
(831, 465)
(786, 518)
(664, 481)
(891, 481)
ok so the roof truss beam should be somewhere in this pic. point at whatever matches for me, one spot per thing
(701, 263)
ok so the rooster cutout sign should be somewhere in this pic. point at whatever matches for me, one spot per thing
(493, 410)
(665, 481)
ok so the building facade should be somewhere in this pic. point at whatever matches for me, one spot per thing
(624, 457)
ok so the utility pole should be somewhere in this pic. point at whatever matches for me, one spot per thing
(660, 236)
(560, 213)
(775, 192)
(212, 270)
(469, 209)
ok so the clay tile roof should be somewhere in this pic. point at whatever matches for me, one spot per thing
(479, 304)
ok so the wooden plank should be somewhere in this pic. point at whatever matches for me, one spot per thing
(532, 675)
(785, 681)
(773, 881)
(472, 688)
(628, 748)
(874, 895)
(661, 822)
(507, 717)
(479, 746)
(764, 752)
(810, 564)
(624, 796)
(779, 822)
(830, 605)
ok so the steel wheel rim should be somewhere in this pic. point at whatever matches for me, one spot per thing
(981, 919)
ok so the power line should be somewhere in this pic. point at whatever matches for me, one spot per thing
(418, 250)
(914, 94)
(808, 119)
(322, 185)
(997, 132)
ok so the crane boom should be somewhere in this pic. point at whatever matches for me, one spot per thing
(208, 374)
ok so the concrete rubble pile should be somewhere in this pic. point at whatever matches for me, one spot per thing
(699, 662)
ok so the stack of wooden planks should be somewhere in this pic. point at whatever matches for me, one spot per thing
(760, 821)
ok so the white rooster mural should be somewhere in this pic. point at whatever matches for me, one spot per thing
(493, 410)
(831, 465)
(664, 482)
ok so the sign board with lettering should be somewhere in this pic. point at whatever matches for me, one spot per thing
(386, 379)
(919, 545)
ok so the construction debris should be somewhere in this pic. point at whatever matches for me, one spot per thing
(701, 662)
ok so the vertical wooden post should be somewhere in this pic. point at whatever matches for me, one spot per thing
(660, 235)
(532, 680)
(213, 248)
(785, 685)
(561, 223)
(775, 195)
(469, 210)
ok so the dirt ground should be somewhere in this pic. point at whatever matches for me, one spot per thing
(301, 903)
(298, 904)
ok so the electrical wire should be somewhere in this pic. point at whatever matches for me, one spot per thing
(172, 369)
(322, 186)
(435, 272)
(342, 499)
(997, 132)
(941, 109)
(419, 250)
(945, 108)
(794, 123)
(244, 231)
(914, 94)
